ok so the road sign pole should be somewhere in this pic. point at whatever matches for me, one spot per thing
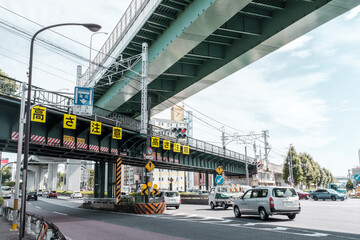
(246, 167)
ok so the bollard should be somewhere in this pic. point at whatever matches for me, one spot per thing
(14, 220)
(1, 210)
(49, 234)
(37, 226)
(9, 215)
(28, 225)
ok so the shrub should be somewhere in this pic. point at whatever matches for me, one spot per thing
(1, 201)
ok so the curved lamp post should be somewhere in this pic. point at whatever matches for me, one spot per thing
(92, 27)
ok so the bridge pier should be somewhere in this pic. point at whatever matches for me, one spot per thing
(99, 186)
(110, 180)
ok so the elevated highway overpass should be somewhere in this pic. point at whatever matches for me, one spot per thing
(194, 44)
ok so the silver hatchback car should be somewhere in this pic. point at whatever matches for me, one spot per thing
(267, 201)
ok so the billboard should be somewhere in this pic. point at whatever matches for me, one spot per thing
(4, 161)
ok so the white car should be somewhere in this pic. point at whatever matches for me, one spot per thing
(267, 201)
(171, 198)
(76, 194)
(6, 191)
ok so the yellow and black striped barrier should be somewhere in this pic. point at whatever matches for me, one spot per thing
(150, 208)
(118, 179)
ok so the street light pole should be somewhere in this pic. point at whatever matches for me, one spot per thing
(92, 27)
(91, 48)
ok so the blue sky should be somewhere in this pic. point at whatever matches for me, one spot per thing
(305, 94)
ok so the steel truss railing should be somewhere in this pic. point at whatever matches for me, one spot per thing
(123, 26)
(11, 88)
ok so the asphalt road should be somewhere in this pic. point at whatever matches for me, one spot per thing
(318, 220)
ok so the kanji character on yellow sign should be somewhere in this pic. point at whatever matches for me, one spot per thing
(69, 121)
(117, 133)
(177, 147)
(38, 114)
(155, 142)
(166, 145)
(186, 150)
(95, 128)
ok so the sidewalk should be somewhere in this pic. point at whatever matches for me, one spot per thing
(6, 234)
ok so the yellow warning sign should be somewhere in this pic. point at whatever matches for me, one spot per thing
(81, 140)
(144, 190)
(69, 138)
(69, 121)
(177, 147)
(150, 166)
(117, 133)
(186, 150)
(155, 142)
(38, 114)
(95, 128)
(219, 170)
(155, 190)
(166, 145)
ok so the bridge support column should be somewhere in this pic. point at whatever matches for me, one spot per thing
(207, 181)
(96, 180)
(73, 175)
(102, 179)
(52, 177)
(110, 180)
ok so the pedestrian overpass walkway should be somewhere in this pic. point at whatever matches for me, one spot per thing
(51, 139)
(194, 44)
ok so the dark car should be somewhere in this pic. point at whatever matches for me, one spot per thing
(52, 194)
(328, 194)
(302, 194)
(31, 195)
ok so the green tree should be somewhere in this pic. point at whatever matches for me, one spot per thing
(323, 178)
(6, 175)
(61, 178)
(349, 185)
(91, 178)
(308, 170)
(297, 170)
(7, 85)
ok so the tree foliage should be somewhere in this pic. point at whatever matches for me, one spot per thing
(7, 85)
(6, 174)
(306, 170)
(349, 185)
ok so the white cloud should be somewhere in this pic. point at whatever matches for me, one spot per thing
(301, 54)
(296, 44)
(353, 13)
(310, 67)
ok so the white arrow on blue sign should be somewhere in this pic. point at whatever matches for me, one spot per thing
(219, 180)
(357, 177)
(83, 96)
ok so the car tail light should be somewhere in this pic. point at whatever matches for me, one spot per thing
(180, 200)
(163, 199)
(272, 202)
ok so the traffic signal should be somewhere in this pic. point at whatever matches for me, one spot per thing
(258, 164)
(179, 132)
(304, 165)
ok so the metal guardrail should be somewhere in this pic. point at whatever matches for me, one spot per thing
(123, 26)
(57, 234)
(11, 87)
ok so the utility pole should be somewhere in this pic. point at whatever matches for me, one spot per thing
(291, 174)
(246, 167)
(223, 136)
(267, 148)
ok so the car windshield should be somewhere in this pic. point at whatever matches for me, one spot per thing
(172, 194)
(284, 192)
(223, 189)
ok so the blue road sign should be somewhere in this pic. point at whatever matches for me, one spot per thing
(83, 96)
(219, 180)
(357, 177)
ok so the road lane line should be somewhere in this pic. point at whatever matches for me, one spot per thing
(38, 207)
(60, 213)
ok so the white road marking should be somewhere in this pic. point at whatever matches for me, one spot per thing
(38, 207)
(60, 213)
(250, 224)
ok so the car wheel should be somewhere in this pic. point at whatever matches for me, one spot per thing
(263, 214)
(316, 198)
(223, 205)
(333, 198)
(291, 216)
(177, 207)
(306, 198)
(237, 212)
(212, 206)
(342, 199)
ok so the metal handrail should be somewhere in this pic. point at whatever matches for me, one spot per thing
(125, 23)
(11, 87)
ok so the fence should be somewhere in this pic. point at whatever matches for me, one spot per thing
(51, 231)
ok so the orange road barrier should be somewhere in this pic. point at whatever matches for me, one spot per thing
(46, 227)
(150, 208)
